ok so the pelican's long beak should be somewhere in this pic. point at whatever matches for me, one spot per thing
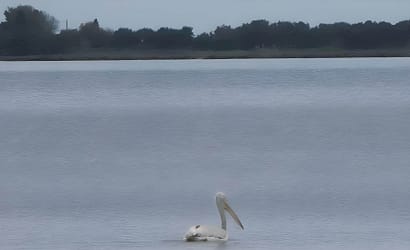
(233, 214)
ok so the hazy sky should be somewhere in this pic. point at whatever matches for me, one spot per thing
(205, 15)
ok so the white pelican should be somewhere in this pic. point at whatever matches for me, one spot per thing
(205, 233)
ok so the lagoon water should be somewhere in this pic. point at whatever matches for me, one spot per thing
(312, 153)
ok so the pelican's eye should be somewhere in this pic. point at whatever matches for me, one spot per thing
(197, 226)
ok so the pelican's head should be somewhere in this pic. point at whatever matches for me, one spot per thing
(222, 204)
(220, 196)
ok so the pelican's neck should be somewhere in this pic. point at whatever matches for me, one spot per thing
(220, 205)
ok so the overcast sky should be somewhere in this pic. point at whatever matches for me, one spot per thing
(205, 15)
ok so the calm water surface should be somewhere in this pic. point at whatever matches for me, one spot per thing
(312, 153)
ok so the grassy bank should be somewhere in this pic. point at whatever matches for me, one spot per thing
(109, 54)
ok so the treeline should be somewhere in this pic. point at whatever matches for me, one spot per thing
(28, 31)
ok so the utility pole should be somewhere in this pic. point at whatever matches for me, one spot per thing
(66, 24)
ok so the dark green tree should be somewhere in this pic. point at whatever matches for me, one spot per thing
(95, 36)
(225, 38)
(203, 41)
(147, 37)
(125, 38)
(167, 38)
(256, 34)
(70, 40)
(28, 31)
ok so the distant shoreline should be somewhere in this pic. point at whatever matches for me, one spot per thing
(110, 54)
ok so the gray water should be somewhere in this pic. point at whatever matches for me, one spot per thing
(311, 153)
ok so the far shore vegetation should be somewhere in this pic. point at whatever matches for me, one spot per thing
(31, 34)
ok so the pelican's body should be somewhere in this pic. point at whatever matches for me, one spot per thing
(205, 233)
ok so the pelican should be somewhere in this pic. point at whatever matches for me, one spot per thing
(205, 233)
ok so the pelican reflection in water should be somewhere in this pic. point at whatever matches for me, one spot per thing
(205, 233)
